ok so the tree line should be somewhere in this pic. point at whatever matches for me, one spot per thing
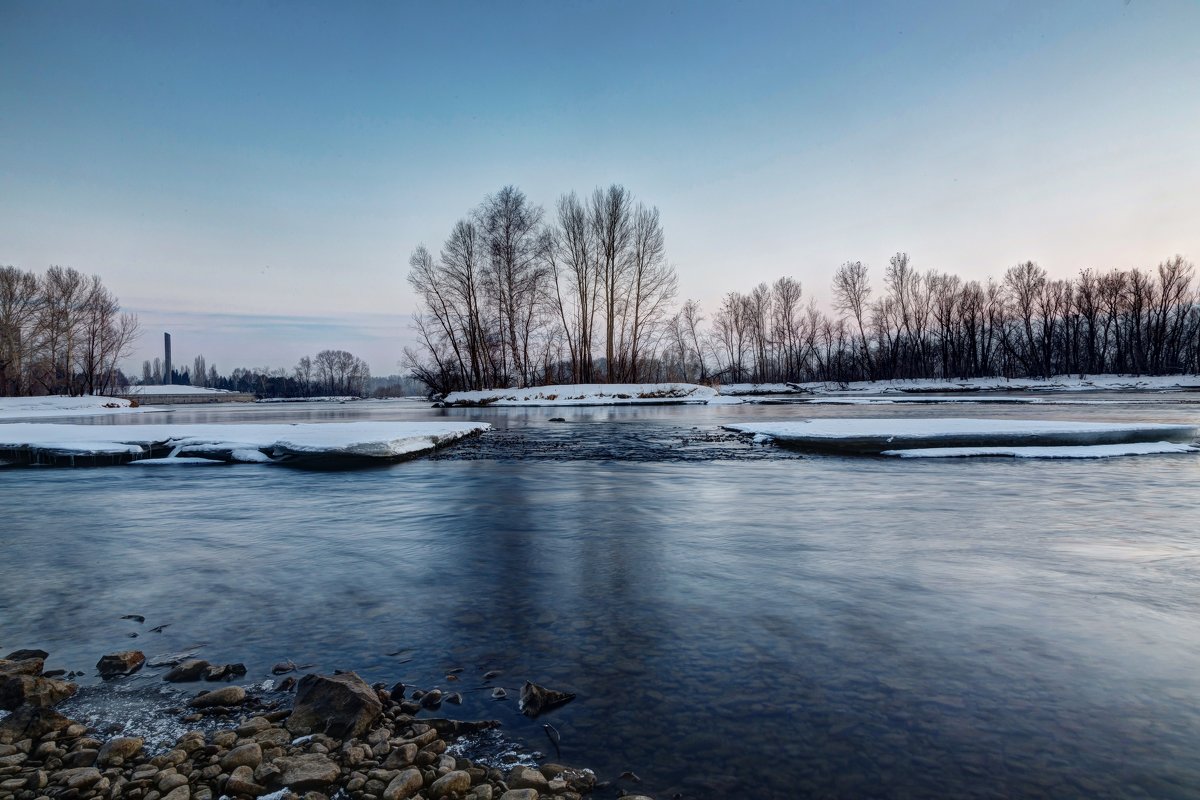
(517, 296)
(61, 332)
(330, 373)
(929, 324)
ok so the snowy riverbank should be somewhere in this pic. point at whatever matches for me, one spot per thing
(586, 394)
(87, 405)
(1059, 383)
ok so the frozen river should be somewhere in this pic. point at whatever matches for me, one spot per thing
(736, 619)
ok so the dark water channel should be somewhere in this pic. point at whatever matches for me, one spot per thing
(737, 621)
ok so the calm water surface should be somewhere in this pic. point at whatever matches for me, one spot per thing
(736, 620)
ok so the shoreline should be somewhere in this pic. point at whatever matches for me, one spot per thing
(317, 737)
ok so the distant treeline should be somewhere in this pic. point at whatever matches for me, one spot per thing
(330, 373)
(516, 297)
(60, 333)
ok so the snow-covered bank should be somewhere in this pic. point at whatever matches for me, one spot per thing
(585, 394)
(881, 435)
(1083, 451)
(60, 406)
(1060, 383)
(306, 443)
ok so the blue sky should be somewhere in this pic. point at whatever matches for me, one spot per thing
(241, 161)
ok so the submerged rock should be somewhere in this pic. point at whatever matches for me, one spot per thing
(537, 699)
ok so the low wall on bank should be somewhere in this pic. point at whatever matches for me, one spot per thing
(188, 399)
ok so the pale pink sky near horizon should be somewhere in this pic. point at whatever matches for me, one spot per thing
(261, 204)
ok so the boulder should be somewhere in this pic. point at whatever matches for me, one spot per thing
(115, 665)
(343, 706)
(21, 666)
(122, 747)
(242, 783)
(191, 670)
(311, 771)
(404, 785)
(33, 722)
(247, 755)
(225, 696)
(536, 699)
(457, 783)
(23, 655)
(18, 690)
(526, 778)
(520, 794)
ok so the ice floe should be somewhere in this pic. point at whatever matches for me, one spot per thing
(585, 394)
(880, 435)
(1082, 451)
(307, 442)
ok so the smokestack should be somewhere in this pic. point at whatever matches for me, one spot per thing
(167, 361)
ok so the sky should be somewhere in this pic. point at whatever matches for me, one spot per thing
(253, 176)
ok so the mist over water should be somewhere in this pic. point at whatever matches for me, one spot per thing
(731, 616)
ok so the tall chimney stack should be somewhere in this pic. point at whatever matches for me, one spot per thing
(167, 361)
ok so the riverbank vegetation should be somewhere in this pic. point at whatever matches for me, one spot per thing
(518, 296)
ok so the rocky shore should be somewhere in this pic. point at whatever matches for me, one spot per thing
(337, 737)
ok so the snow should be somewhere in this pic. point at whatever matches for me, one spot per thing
(1084, 451)
(1060, 383)
(60, 406)
(226, 443)
(585, 394)
(158, 389)
(176, 460)
(879, 435)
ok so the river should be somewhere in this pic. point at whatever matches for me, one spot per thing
(736, 619)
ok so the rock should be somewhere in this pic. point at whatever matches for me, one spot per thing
(220, 673)
(178, 793)
(225, 696)
(343, 706)
(21, 666)
(122, 747)
(18, 690)
(81, 778)
(431, 699)
(80, 758)
(171, 780)
(401, 756)
(33, 722)
(525, 778)
(311, 771)
(252, 726)
(582, 781)
(191, 670)
(520, 794)
(457, 781)
(248, 755)
(115, 665)
(23, 655)
(537, 699)
(283, 667)
(499, 694)
(242, 782)
(404, 785)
